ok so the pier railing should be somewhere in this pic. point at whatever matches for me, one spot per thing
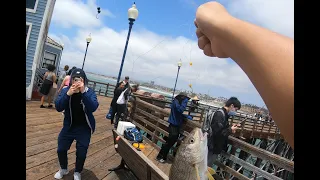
(102, 89)
(152, 120)
(250, 127)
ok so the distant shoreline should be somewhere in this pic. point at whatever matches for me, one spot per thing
(112, 80)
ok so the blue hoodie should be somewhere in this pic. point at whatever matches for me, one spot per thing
(89, 99)
(176, 115)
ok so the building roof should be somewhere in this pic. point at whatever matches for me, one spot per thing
(53, 42)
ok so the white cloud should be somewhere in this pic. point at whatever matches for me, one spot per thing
(276, 15)
(106, 49)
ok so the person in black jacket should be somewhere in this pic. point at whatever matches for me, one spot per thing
(110, 115)
(125, 82)
(221, 129)
(118, 108)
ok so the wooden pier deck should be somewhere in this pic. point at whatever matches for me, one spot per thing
(42, 130)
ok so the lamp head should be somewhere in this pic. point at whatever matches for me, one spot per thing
(133, 12)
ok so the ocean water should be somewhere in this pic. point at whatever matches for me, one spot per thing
(103, 79)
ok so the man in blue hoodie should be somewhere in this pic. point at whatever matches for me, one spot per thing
(176, 118)
(78, 103)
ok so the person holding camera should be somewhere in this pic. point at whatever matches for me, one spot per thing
(78, 103)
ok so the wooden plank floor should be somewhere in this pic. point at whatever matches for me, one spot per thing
(43, 127)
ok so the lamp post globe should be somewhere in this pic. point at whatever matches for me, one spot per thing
(88, 39)
(133, 12)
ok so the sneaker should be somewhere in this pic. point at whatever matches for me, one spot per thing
(77, 176)
(42, 106)
(61, 173)
(160, 159)
(50, 106)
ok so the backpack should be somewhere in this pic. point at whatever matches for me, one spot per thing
(133, 134)
(206, 126)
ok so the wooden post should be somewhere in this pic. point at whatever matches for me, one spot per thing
(106, 93)
(242, 128)
(229, 162)
(254, 126)
(94, 86)
(201, 116)
(133, 109)
(269, 129)
(262, 129)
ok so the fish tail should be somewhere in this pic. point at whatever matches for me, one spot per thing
(210, 177)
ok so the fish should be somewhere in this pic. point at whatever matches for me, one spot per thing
(190, 162)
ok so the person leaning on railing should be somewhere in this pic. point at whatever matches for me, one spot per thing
(265, 56)
(176, 119)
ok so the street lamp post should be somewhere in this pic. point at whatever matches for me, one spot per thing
(132, 15)
(85, 54)
(175, 84)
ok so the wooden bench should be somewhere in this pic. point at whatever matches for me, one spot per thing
(152, 120)
(141, 166)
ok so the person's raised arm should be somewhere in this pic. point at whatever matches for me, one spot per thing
(54, 78)
(62, 84)
(45, 76)
(181, 107)
(265, 56)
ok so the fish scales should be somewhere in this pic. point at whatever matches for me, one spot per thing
(191, 154)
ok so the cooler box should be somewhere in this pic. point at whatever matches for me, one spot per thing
(123, 125)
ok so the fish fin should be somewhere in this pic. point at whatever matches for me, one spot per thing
(211, 170)
(197, 172)
(210, 177)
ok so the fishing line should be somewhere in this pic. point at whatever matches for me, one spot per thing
(146, 53)
(191, 80)
(133, 62)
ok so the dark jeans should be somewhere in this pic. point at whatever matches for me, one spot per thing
(114, 111)
(121, 114)
(174, 132)
(211, 158)
(82, 135)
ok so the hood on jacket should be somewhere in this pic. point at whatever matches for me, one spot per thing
(79, 73)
